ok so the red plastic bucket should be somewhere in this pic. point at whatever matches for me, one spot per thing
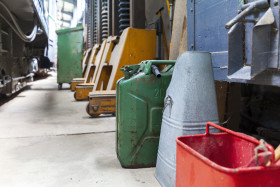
(221, 159)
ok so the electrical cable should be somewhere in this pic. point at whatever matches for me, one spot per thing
(12, 27)
(18, 30)
(16, 24)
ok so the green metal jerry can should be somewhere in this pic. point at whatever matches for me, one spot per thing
(140, 101)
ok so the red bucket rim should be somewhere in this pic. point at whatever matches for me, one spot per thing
(217, 166)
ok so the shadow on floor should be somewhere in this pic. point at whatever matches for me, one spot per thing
(4, 99)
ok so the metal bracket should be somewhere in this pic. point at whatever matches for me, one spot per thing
(191, 21)
(264, 42)
(128, 71)
(95, 108)
(246, 10)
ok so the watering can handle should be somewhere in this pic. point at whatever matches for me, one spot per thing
(150, 63)
(243, 136)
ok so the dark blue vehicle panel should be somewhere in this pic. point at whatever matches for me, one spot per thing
(207, 32)
(210, 19)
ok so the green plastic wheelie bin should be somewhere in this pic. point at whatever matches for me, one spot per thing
(70, 54)
(140, 101)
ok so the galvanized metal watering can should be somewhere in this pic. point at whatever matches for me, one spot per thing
(190, 103)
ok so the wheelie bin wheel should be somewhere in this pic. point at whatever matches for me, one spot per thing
(59, 86)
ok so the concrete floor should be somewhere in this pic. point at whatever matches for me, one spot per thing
(47, 139)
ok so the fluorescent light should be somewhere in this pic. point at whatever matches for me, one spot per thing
(65, 24)
(66, 17)
(68, 7)
(59, 4)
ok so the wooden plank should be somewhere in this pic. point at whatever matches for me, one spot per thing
(179, 31)
(184, 38)
(233, 106)
(221, 93)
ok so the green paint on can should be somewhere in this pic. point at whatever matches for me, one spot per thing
(140, 100)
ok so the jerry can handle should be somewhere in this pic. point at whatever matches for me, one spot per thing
(150, 63)
(242, 136)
